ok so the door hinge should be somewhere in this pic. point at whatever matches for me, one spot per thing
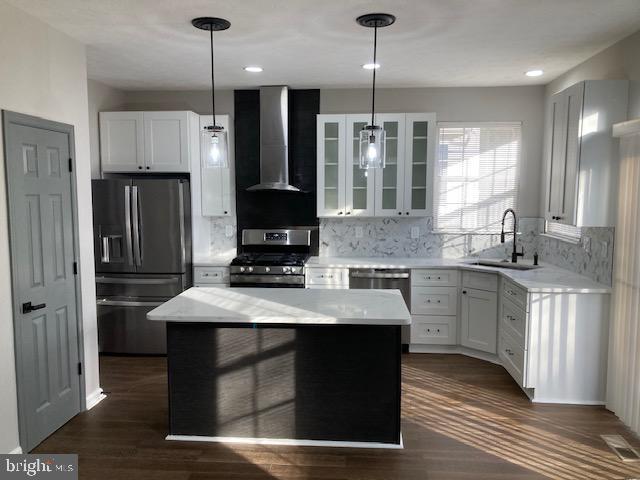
(75, 268)
(71, 164)
(79, 368)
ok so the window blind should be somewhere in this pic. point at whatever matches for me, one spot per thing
(476, 175)
(564, 232)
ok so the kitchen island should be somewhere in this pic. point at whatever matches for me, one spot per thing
(285, 366)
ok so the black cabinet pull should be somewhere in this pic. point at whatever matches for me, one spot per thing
(464, 292)
(28, 307)
(139, 168)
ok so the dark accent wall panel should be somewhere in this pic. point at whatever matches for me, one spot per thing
(339, 382)
(273, 209)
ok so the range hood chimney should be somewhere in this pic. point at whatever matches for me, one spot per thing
(274, 140)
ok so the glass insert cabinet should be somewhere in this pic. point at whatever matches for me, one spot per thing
(402, 188)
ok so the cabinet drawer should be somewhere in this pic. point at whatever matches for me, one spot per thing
(326, 276)
(434, 277)
(514, 321)
(203, 275)
(480, 281)
(516, 294)
(433, 330)
(513, 357)
(434, 300)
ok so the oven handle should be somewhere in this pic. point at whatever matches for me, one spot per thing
(379, 275)
(138, 281)
(268, 279)
(126, 303)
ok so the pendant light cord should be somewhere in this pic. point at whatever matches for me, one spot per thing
(373, 91)
(213, 94)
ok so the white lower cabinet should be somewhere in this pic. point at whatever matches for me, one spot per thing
(211, 276)
(433, 329)
(326, 278)
(478, 319)
(512, 356)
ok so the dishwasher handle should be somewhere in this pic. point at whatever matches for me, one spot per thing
(379, 275)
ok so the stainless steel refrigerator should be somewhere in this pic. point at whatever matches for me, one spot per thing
(142, 242)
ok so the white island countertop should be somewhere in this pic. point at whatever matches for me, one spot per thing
(546, 279)
(285, 306)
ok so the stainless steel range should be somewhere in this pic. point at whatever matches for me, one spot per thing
(273, 257)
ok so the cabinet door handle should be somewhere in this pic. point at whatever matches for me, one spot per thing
(464, 292)
(399, 213)
(339, 213)
(348, 213)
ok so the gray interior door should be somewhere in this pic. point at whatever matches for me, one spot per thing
(44, 291)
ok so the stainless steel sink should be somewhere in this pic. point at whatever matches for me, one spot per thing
(503, 264)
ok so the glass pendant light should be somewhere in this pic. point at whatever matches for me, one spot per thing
(213, 138)
(372, 136)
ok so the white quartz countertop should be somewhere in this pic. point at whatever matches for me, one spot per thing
(285, 306)
(547, 279)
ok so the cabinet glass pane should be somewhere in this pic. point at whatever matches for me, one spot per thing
(331, 176)
(418, 198)
(390, 176)
(419, 150)
(391, 129)
(360, 199)
(392, 151)
(419, 176)
(357, 128)
(420, 129)
(389, 198)
(359, 177)
(331, 130)
(331, 198)
(330, 152)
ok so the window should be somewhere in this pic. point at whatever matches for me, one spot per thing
(476, 175)
(563, 232)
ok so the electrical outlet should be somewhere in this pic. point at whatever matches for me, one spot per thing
(586, 244)
(604, 248)
(359, 232)
(229, 231)
(415, 232)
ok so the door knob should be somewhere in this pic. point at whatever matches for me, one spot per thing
(28, 307)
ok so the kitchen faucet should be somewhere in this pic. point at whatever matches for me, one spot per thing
(515, 254)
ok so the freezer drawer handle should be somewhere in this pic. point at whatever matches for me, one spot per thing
(138, 281)
(126, 303)
(28, 307)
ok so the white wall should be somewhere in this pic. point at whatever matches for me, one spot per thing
(620, 61)
(101, 98)
(43, 73)
(525, 104)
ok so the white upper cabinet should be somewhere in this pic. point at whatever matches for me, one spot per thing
(389, 181)
(146, 141)
(582, 156)
(359, 183)
(402, 188)
(166, 141)
(122, 141)
(420, 134)
(331, 175)
(217, 198)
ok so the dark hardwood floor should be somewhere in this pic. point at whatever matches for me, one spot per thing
(462, 419)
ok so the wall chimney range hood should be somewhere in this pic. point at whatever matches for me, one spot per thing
(274, 140)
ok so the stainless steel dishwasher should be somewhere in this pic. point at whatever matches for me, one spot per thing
(384, 278)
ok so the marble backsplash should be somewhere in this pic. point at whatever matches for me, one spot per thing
(392, 237)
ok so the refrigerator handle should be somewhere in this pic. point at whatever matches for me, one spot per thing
(104, 258)
(135, 212)
(183, 252)
(127, 223)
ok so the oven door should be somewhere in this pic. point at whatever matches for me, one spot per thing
(267, 281)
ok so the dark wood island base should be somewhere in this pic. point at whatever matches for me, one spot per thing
(285, 383)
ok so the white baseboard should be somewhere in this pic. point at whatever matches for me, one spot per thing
(285, 441)
(564, 401)
(16, 451)
(456, 350)
(95, 398)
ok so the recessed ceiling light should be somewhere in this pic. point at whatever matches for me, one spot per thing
(370, 66)
(534, 73)
(253, 69)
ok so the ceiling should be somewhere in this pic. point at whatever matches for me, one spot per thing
(150, 44)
